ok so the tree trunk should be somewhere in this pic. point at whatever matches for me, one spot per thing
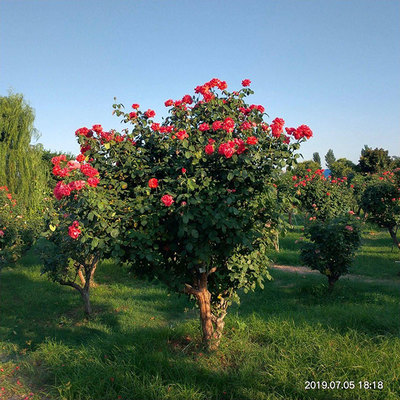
(394, 237)
(332, 279)
(86, 301)
(82, 276)
(203, 299)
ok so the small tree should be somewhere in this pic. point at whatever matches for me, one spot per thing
(332, 246)
(343, 167)
(323, 197)
(381, 201)
(374, 161)
(329, 158)
(83, 224)
(21, 166)
(199, 193)
(316, 158)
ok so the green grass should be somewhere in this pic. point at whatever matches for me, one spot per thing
(143, 343)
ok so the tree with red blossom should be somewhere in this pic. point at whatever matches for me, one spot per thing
(202, 231)
(82, 225)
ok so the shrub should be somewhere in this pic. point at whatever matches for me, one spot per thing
(381, 201)
(332, 245)
(82, 224)
(17, 231)
(323, 197)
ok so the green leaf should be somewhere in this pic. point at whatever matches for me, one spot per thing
(114, 233)
(230, 176)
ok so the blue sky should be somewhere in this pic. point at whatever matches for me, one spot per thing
(331, 64)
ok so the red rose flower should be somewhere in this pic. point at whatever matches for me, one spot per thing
(246, 82)
(80, 158)
(229, 125)
(88, 170)
(167, 200)
(216, 125)
(182, 135)
(74, 231)
(246, 126)
(82, 132)
(132, 115)
(204, 127)
(153, 183)
(209, 149)
(93, 182)
(183, 171)
(169, 103)
(97, 128)
(135, 106)
(187, 99)
(72, 165)
(150, 113)
(77, 185)
(155, 126)
(251, 140)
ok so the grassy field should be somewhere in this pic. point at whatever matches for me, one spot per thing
(143, 343)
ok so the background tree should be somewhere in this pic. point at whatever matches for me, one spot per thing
(317, 159)
(332, 245)
(374, 161)
(305, 168)
(381, 200)
(343, 167)
(21, 167)
(329, 158)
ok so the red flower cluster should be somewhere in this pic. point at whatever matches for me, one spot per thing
(182, 135)
(246, 82)
(277, 127)
(204, 127)
(150, 113)
(88, 170)
(167, 200)
(231, 147)
(205, 89)
(303, 131)
(228, 125)
(74, 230)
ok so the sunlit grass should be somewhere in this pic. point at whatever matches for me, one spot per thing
(144, 343)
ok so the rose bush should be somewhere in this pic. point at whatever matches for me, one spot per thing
(332, 245)
(381, 202)
(197, 192)
(323, 197)
(82, 225)
(17, 231)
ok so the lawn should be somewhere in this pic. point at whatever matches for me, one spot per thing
(144, 343)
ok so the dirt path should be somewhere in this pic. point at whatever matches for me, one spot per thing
(307, 271)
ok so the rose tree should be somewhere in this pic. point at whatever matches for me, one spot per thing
(82, 226)
(381, 201)
(198, 192)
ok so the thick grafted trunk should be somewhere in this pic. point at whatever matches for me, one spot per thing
(212, 325)
(394, 237)
(86, 301)
(204, 301)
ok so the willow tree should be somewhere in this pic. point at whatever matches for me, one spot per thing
(21, 167)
